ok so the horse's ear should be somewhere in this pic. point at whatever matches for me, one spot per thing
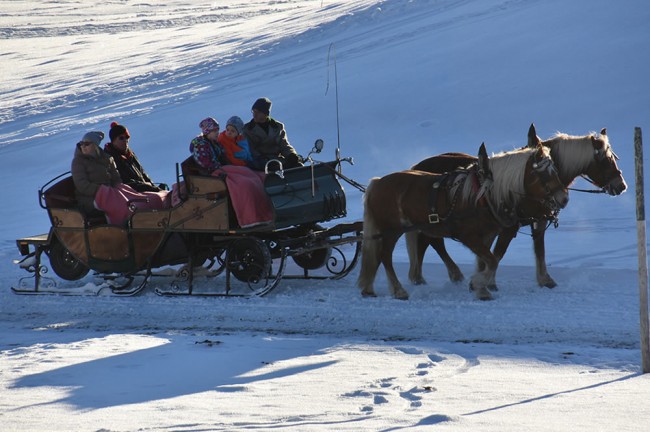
(533, 139)
(603, 131)
(483, 172)
(483, 160)
(482, 151)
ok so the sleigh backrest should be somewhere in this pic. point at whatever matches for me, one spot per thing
(198, 182)
(60, 194)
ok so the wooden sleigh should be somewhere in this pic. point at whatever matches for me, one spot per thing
(199, 234)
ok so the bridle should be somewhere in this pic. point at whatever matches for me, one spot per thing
(599, 156)
(545, 169)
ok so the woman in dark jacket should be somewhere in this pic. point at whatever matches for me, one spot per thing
(91, 168)
(127, 162)
(98, 185)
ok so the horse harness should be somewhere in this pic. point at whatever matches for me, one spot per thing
(453, 183)
(482, 181)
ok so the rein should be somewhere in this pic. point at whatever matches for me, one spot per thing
(348, 180)
(549, 221)
(601, 190)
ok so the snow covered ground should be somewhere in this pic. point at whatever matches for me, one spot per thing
(415, 78)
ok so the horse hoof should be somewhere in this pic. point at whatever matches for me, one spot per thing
(493, 287)
(419, 281)
(365, 294)
(456, 277)
(483, 294)
(402, 297)
(547, 282)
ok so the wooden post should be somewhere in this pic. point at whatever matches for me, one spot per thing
(642, 252)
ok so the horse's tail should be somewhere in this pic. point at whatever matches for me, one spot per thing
(371, 247)
(369, 224)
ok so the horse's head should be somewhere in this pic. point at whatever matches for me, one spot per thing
(604, 171)
(542, 181)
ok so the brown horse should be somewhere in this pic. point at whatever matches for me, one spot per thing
(471, 205)
(589, 155)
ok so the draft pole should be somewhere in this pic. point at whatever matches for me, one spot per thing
(642, 252)
(331, 52)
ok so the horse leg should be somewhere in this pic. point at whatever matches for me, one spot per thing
(416, 246)
(370, 253)
(481, 278)
(503, 241)
(438, 244)
(543, 278)
(481, 266)
(394, 284)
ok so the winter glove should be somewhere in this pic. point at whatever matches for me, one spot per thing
(293, 160)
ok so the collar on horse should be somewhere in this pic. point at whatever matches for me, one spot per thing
(507, 217)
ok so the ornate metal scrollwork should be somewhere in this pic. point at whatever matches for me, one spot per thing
(197, 212)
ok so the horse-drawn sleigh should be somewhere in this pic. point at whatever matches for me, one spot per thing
(459, 196)
(200, 234)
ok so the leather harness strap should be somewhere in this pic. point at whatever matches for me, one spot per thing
(434, 217)
(451, 182)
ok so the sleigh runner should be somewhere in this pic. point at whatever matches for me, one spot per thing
(201, 233)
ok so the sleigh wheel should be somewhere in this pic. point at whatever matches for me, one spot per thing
(313, 260)
(64, 264)
(249, 259)
(316, 258)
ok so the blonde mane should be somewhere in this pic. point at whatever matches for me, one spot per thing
(573, 154)
(508, 172)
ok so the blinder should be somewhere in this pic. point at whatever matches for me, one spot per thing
(546, 171)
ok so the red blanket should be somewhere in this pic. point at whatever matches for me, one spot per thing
(249, 199)
(117, 201)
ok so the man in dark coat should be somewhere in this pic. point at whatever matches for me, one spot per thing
(268, 139)
(127, 162)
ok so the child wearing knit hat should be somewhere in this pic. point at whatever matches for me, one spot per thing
(235, 146)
